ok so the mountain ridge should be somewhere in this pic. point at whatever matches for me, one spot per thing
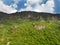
(29, 11)
(29, 15)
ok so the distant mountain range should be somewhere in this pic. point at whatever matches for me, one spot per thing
(29, 15)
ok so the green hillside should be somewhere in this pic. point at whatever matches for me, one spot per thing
(16, 31)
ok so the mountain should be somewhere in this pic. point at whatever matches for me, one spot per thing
(29, 15)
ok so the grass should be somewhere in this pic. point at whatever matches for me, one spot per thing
(22, 32)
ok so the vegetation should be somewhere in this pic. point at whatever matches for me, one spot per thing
(17, 31)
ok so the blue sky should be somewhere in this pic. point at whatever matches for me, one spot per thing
(19, 4)
(57, 6)
(11, 6)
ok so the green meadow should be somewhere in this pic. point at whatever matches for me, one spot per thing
(17, 31)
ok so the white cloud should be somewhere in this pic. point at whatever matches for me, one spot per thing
(39, 6)
(6, 8)
(14, 5)
(29, 8)
(48, 7)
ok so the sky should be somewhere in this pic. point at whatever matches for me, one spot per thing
(12, 6)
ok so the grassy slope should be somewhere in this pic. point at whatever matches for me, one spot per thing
(25, 34)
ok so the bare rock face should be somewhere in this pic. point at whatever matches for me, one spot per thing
(39, 27)
(1, 25)
(14, 27)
